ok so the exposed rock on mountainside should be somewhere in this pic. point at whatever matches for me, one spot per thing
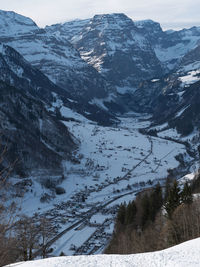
(54, 56)
(191, 60)
(169, 46)
(114, 46)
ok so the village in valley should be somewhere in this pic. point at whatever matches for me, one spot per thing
(112, 165)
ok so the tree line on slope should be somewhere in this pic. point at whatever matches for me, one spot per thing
(158, 218)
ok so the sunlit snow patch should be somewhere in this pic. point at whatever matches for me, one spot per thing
(191, 77)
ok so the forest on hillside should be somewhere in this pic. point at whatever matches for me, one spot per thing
(158, 218)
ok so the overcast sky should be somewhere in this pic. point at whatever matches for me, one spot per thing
(170, 13)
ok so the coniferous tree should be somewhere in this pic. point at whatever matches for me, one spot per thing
(146, 209)
(186, 194)
(173, 199)
(121, 213)
(168, 185)
(156, 199)
(196, 183)
(131, 211)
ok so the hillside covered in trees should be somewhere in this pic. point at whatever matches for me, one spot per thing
(157, 219)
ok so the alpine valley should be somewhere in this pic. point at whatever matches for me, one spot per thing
(94, 111)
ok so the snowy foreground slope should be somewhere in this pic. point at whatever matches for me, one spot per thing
(185, 254)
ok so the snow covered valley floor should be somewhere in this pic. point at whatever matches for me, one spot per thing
(113, 165)
(186, 254)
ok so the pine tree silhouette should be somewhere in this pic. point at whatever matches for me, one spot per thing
(173, 200)
(186, 194)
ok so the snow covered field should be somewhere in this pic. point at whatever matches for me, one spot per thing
(114, 164)
(186, 254)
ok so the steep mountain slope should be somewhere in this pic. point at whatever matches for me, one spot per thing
(31, 108)
(68, 29)
(127, 52)
(35, 137)
(151, 30)
(54, 56)
(16, 71)
(179, 51)
(182, 112)
(15, 24)
(190, 61)
(169, 46)
(113, 45)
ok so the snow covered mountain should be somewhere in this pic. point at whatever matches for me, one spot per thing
(54, 56)
(113, 45)
(181, 110)
(92, 58)
(170, 46)
(127, 52)
(15, 24)
(18, 72)
(191, 61)
(183, 255)
(89, 58)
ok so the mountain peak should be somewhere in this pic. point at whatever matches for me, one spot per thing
(14, 24)
(148, 24)
(115, 21)
(110, 15)
(113, 17)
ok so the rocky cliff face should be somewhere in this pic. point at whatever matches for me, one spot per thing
(127, 52)
(115, 47)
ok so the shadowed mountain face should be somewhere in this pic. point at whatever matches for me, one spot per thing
(16, 71)
(35, 137)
